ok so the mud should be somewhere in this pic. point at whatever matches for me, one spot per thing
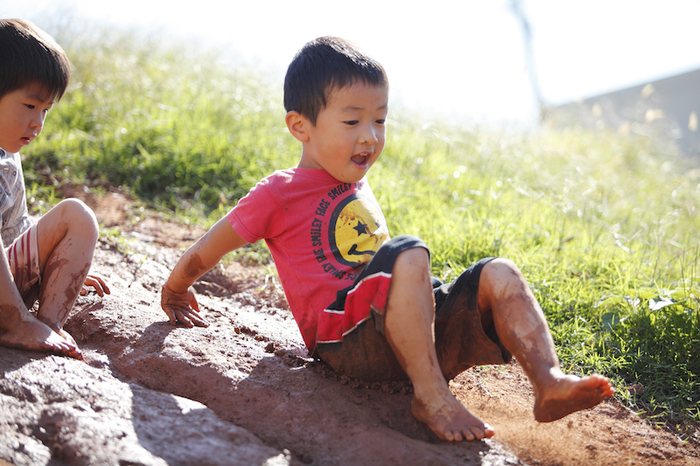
(244, 391)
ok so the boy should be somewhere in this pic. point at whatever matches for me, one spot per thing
(364, 303)
(51, 259)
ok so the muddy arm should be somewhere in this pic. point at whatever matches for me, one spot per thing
(178, 298)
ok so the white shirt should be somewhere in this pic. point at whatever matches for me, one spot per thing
(13, 203)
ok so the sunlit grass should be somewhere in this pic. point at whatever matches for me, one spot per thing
(605, 228)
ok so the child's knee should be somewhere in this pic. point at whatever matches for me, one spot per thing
(500, 277)
(413, 258)
(79, 216)
(502, 267)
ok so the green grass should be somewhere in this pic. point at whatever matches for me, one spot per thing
(604, 227)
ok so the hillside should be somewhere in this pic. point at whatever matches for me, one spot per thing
(243, 390)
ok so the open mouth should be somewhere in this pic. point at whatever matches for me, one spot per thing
(361, 160)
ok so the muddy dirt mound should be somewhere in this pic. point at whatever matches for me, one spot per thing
(243, 391)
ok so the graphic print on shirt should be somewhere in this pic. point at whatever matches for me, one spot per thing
(354, 230)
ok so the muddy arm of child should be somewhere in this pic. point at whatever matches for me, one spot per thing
(178, 298)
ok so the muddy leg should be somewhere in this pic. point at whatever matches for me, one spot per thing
(18, 327)
(408, 324)
(67, 238)
(523, 330)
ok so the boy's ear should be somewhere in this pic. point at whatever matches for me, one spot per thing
(297, 124)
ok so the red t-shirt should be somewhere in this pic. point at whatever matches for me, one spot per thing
(321, 233)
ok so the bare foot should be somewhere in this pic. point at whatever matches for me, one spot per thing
(67, 336)
(450, 420)
(34, 335)
(568, 394)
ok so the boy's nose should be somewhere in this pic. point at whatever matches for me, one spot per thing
(369, 137)
(37, 123)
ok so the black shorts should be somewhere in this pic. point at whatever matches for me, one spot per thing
(461, 341)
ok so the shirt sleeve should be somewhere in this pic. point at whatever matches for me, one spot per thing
(14, 218)
(259, 215)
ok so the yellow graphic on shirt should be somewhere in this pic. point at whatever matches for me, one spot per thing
(356, 231)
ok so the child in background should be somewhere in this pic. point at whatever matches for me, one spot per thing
(49, 260)
(367, 304)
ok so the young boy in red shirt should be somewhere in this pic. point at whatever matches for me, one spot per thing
(49, 260)
(367, 304)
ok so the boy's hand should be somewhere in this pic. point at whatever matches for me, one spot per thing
(95, 282)
(182, 307)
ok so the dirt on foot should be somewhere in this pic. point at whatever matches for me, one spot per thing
(244, 391)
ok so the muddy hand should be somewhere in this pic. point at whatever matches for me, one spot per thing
(95, 282)
(182, 307)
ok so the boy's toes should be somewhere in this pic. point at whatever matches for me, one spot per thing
(488, 431)
(479, 434)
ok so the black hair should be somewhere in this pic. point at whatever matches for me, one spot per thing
(323, 65)
(29, 56)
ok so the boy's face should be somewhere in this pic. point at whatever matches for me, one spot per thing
(349, 133)
(22, 114)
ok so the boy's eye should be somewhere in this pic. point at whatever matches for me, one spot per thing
(32, 107)
(381, 121)
(351, 122)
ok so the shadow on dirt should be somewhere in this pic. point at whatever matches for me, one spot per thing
(290, 403)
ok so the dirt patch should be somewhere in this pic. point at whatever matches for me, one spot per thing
(250, 368)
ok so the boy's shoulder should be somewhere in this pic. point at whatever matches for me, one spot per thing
(296, 176)
(13, 207)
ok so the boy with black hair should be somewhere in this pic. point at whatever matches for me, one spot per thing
(366, 304)
(49, 260)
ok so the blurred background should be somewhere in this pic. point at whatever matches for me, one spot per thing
(504, 63)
